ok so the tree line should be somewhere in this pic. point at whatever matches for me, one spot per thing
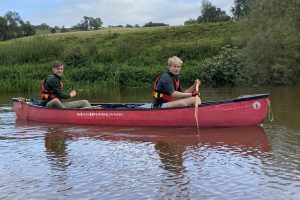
(211, 13)
(12, 26)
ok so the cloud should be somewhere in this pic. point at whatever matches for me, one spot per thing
(122, 12)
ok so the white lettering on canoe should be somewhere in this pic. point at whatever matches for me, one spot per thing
(94, 114)
(236, 108)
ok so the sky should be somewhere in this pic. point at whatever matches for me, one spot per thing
(112, 12)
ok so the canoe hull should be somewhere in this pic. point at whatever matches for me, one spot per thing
(250, 111)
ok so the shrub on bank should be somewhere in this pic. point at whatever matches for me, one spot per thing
(226, 68)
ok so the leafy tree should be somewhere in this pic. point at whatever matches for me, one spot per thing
(13, 21)
(3, 28)
(190, 21)
(63, 29)
(137, 26)
(117, 26)
(88, 23)
(27, 29)
(152, 24)
(53, 30)
(210, 13)
(85, 23)
(128, 26)
(272, 35)
(95, 23)
(43, 26)
(240, 8)
(12, 26)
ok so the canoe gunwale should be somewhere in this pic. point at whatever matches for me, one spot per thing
(204, 104)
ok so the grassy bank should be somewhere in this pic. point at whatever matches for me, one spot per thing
(119, 57)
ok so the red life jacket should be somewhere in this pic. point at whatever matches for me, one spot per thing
(163, 95)
(49, 94)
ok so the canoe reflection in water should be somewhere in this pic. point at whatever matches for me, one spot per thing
(169, 143)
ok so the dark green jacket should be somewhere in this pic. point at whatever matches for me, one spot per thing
(52, 83)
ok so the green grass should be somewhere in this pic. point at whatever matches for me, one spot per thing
(111, 56)
(42, 32)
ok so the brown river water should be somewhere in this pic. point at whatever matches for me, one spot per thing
(60, 161)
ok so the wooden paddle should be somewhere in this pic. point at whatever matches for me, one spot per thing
(198, 101)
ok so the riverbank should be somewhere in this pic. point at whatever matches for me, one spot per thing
(118, 57)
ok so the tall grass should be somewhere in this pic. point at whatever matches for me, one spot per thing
(111, 57)
(35, 50)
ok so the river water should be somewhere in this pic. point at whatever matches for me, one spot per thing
(59, 161)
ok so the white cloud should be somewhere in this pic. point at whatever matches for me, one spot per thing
(122, 12)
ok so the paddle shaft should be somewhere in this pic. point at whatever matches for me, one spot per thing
(196, 106)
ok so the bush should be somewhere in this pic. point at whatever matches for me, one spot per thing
(80, 56)
(226, 68)
(281, 75)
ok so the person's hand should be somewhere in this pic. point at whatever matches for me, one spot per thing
(195, 93)
(73, 93)
(197, 81)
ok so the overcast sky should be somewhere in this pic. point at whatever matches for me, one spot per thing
(112, 12)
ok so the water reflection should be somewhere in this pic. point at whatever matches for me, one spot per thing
(171, 156)
(179, 153)
(56, 147)
(169, 143)
(174, 183)
(153, 163)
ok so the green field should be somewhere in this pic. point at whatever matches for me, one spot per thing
(112, 56)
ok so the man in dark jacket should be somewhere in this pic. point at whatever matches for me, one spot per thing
(53, 94)
(167, 91)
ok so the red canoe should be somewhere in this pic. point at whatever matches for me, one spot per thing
(243, 111)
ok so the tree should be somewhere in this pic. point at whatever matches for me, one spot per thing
(240, 8)
(152, 24)
(137, 26)
(43, 26)
(95, 23)
(63, 29)
(272, 35)
(12, 26)
(190, 21)
(27, 29)
(210, 13)
(85, 23)
(13, 21)
(3, 28)
(128, 26)
(88, 23)
(53, 30)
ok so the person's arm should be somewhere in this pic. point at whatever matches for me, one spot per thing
(54, 84)
(188, 92)
(193, 87)
(178, 95)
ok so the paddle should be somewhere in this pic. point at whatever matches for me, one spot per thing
(198, 101)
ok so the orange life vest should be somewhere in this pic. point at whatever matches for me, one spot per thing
(163, 95)
(49, 94)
